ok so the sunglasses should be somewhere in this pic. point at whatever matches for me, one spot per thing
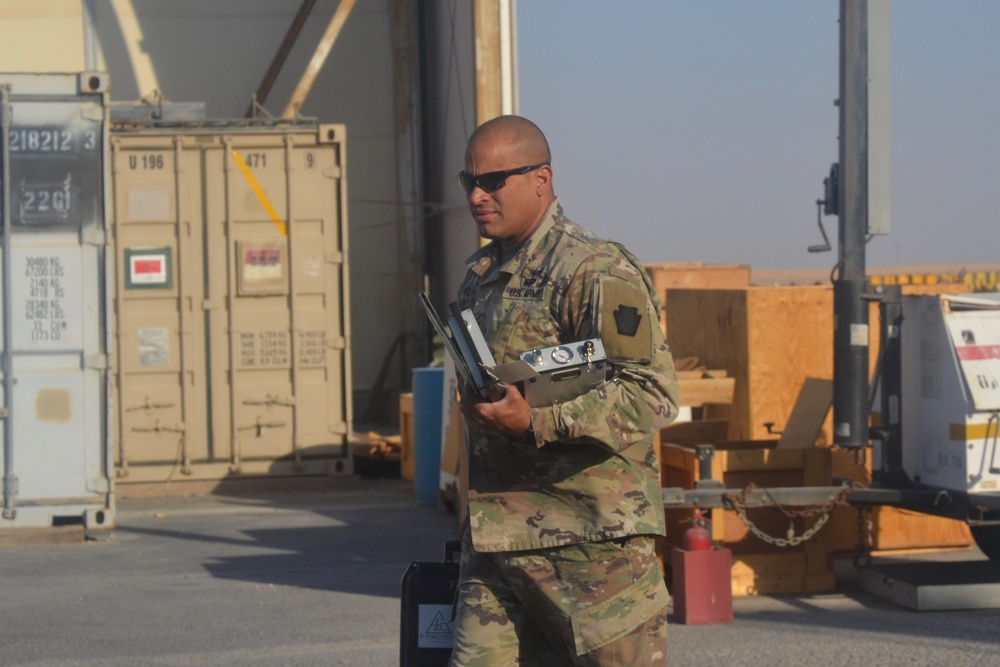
(492, 181)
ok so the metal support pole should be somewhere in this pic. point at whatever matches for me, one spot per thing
(889, 471)
(705, 454)
(850, 364)
(90, 39)
(7, 414)
(850, 338)
(409, 184)
(319, 57)
(281, 56)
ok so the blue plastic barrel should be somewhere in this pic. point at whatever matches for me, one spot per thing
(428, 387)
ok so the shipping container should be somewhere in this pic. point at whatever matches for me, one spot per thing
(231, 301)
(54, 292)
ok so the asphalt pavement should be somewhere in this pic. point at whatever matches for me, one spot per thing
(312, 577)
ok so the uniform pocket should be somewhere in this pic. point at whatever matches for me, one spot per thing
(621, 613)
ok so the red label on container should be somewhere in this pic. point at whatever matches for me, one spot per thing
(262, 257)
(143, 266)
(978, 352)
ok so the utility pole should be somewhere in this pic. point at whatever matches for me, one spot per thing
(862, 199)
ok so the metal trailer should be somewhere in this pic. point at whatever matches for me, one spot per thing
(56, 435)
(940, 408)
(935, 450)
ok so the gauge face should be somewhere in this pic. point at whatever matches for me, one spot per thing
(562, 355)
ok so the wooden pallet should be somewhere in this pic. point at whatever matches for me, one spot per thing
(376, 455)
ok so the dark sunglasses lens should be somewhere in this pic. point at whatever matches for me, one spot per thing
(465, 180)
(492, 181)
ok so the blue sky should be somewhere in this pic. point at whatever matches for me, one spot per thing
(702, 131)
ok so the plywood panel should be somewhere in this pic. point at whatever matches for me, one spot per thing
(809, 413)
(695, 275)
(790, 338)
(769, 339)
(710, 326)
(696, 393)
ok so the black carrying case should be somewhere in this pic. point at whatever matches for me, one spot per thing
(427, 607)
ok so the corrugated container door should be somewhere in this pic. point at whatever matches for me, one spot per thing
(276, 248)
(161, 374)
(55, 431)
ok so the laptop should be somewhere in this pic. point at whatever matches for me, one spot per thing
(466, 345)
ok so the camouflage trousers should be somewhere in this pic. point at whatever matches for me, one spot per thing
(597, 603)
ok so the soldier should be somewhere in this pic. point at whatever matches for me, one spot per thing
(558, 562)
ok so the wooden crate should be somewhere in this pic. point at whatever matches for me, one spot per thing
(406, 452)
(768, 339)
(696, 275)
(758, 567)
(773, 341)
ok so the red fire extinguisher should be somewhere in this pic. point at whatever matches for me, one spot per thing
(697, 537)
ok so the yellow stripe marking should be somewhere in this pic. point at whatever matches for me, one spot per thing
(972, 431)
(259, 191)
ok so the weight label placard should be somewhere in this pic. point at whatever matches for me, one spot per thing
(47, 291)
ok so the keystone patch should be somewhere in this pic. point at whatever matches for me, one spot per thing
(627, 320)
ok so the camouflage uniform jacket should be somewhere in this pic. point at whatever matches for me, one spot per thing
(587, 471)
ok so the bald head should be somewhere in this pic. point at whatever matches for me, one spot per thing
(512, 155)
(523, 139)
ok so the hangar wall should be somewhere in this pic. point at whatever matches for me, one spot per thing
(401, 77)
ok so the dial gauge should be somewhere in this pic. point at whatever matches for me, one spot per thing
(562, 355)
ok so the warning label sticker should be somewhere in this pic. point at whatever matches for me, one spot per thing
(435, 626)
(263, 267)
(148, 268)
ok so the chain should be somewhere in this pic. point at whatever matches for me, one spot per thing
(791, 538)
(738, 503)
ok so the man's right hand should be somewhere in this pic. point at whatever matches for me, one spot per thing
(509, 414)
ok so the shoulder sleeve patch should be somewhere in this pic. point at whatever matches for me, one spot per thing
(625, 325)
